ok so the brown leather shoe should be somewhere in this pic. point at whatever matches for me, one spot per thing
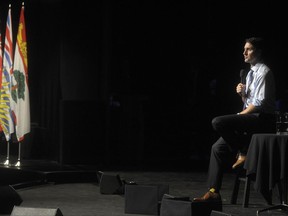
(209, 197)
(239, 162)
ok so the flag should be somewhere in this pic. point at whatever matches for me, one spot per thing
(1, 58)
(1, 65)
(20, 90)
(6, 119)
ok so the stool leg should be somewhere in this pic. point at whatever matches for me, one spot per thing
(246, 193)
(235, 190)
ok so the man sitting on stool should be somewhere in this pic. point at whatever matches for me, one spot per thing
(236, 130)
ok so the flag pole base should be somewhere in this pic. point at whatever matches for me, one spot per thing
(7, 163)
(18, 164)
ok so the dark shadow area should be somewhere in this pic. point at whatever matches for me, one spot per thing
(135, 84)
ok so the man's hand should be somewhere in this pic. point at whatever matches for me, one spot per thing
(240, 89)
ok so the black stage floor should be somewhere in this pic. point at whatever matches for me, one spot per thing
(74, 190)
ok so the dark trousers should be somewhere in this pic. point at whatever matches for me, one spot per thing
(235, 134)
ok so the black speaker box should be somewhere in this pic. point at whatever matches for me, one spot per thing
(219, 213)
(8, 199)
(183, 206)
(110, 184)
(28, 211)
(205, 208)
(144, 199)
(175, 206)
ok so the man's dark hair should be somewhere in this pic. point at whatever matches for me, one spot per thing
(257, 42)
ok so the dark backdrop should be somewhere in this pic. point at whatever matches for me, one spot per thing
(138, 82)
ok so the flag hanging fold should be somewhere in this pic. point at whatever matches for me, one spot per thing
(6, 119)
(20, 91)
(1, 65)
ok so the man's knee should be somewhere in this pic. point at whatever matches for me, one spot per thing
(216, 122)
(215, 148)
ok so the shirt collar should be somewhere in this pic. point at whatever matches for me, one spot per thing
(255, 67)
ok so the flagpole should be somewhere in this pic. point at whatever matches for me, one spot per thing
(6, 163)
(18, 164)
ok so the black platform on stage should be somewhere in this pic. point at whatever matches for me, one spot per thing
(33, 172)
